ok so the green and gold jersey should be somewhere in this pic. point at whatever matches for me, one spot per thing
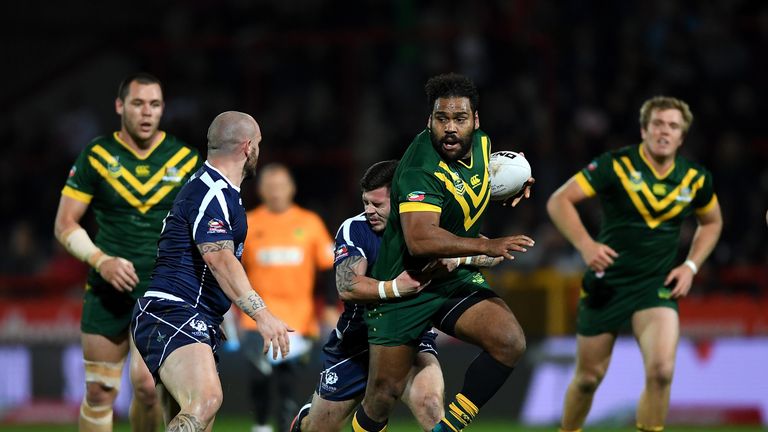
(643, 210)
(130, 195)
(423, 181)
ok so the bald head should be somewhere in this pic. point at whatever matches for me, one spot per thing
(230, 129)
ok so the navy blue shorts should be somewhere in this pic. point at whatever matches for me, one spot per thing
(160, 326)
(345, 371)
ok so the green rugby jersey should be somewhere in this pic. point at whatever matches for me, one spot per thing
(643, 210)
(423, 181)
(130, 195)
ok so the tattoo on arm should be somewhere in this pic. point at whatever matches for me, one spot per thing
(250, 303)
(484, 261)
(204, 248)
(346, 272)
(185, 423)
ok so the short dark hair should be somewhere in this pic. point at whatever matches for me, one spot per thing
(451, 85)
(378, 175)
(139, 77)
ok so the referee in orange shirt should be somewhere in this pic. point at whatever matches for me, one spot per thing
(285, 247)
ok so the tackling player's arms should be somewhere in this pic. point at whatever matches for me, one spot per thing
(354, 286)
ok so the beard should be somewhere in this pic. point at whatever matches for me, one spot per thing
(249, 169)
(465, 143)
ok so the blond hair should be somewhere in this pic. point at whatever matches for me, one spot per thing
(665, 103)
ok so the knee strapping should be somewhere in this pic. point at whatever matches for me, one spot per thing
(96, 414)
(105, 373)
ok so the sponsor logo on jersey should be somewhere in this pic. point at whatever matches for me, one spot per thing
(664, 293)
(341, 252)
(685, 195)
(114, 168)
(142, 170)
(659, 189)
(200, 327)
(172, 175)
(72, 171)
(474, 180)
(416, 196)
(216, 226)
(160, 337)
(299, 234)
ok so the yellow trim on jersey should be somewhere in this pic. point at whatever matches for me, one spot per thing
(116, 135)
(582, 181)
(477, 199)
(708, 207)
(407, 207)
(468, 220)
(653, 170)
(143, 188)
(650, 220)
(115, 183)
(76, 194)
(165, 190)
(671, 196)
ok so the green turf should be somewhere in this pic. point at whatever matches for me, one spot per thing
(242, 425)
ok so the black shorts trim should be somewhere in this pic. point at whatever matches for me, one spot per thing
(449, 313)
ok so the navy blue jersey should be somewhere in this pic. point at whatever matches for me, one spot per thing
(355, 238)
(208, 209)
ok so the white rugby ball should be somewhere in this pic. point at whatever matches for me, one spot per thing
(508, 173)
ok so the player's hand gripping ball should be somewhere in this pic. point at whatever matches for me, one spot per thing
(508, 171)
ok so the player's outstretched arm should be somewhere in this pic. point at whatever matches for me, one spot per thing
(119, 272)
(710, 225)
(229, 273)
(354, 286)
(425, 238)
(561, 207)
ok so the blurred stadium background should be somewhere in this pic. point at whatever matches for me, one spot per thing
(337, 86)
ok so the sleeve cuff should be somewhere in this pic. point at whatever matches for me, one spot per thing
(76, 194)
(407, 207)
(584, 184)
(708, 207)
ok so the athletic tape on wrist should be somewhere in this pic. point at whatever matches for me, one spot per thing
(692, 265)
(79, 244)
(394, 288)
(382, 291)
(468, 260)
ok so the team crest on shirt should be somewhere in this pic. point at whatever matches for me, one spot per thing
(592, 166)
(331, 378)
(114, 168)
(200, 327)
(172, 175)
(685, 195)
(416, 196)
(215, 226)
(458, 184)
(340, 252)
(72, 171)
(636, 180)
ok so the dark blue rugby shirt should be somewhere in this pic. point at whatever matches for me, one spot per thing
(208, 209)
(355, 238)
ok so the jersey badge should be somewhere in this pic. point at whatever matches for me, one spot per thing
(340, 252)
(592, 166)
(142, 170)
(685, 195)
(416, 196)
(216, 226)
(114, 168)
(72, 171)
(636, 181)
(659, 189)
(172, 175)
(299, 234)
(458, 184)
